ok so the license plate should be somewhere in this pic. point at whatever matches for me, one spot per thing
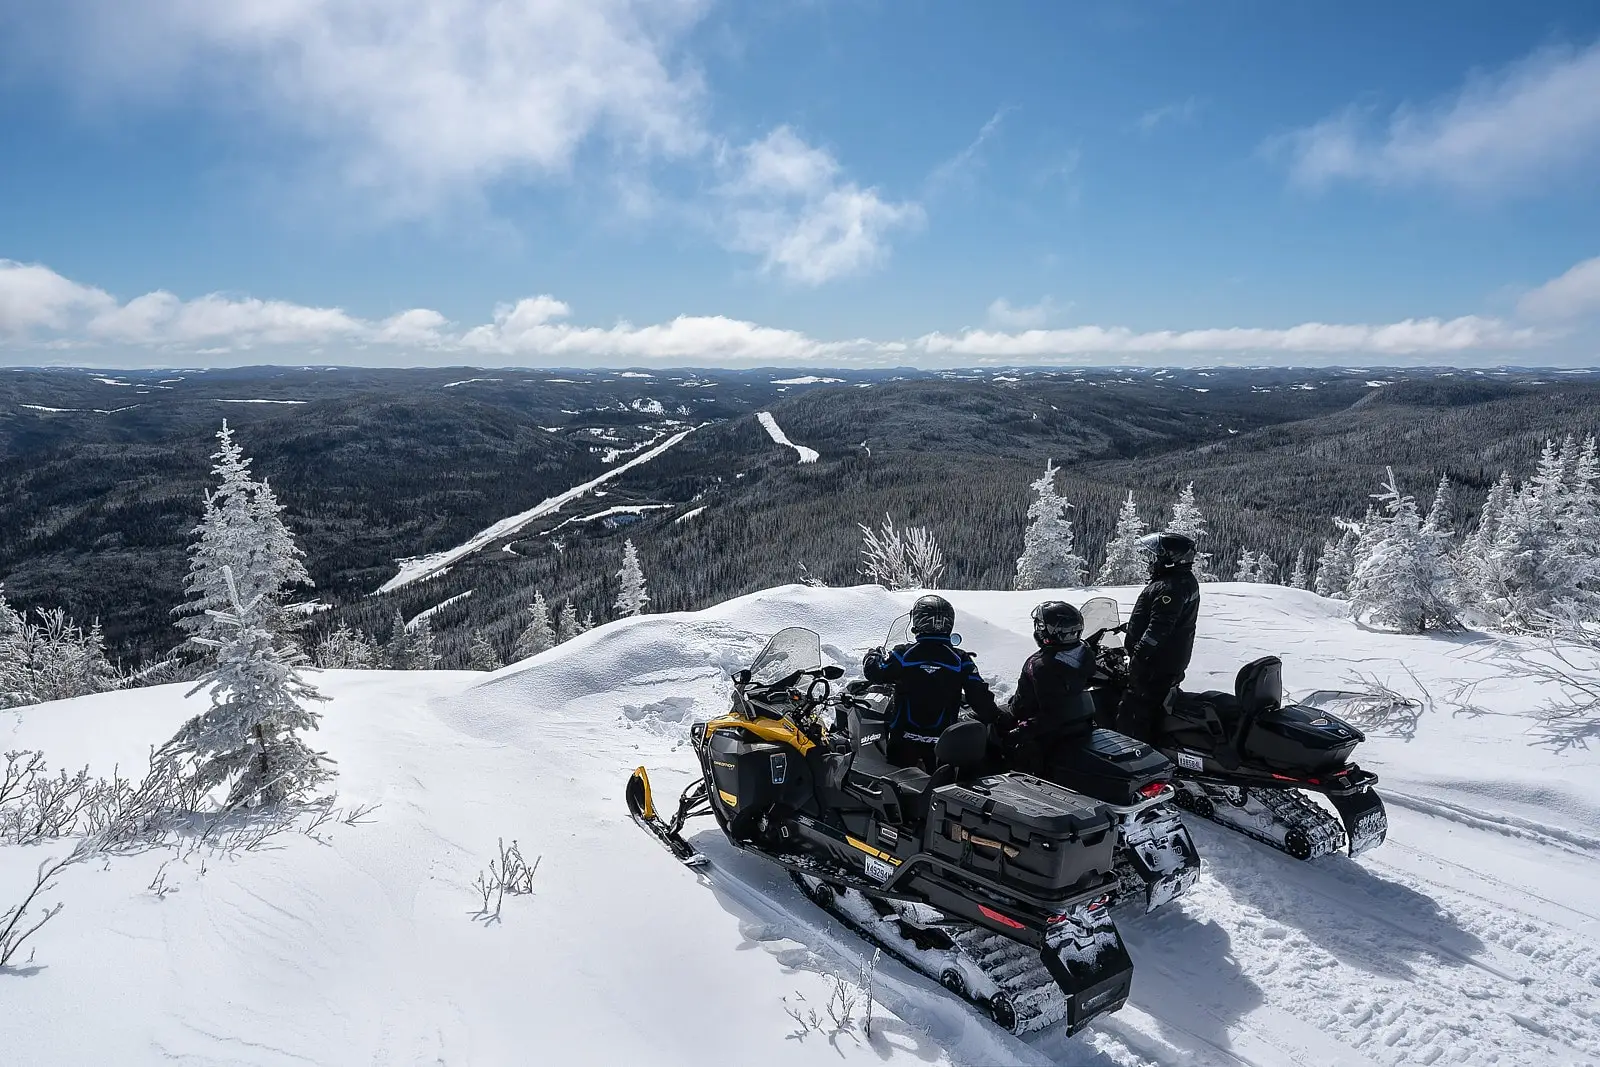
(878, 870)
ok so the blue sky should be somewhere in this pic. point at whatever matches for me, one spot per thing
(683, 182)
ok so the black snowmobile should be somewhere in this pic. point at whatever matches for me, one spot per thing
(1156, 861)
(995, 886)
(1247, 760)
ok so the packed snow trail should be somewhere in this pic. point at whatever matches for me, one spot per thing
(1470, 937)
(807, 455)
(419, 567)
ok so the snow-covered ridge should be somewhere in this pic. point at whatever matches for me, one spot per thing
(419, 567)
(429, 613)
(807, 455)
(807, 379)
(1468, 938)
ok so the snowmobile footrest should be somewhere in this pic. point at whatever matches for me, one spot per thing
(1092, 967)
(1365, 821)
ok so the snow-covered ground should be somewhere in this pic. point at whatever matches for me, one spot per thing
(807, 455)
(419, 567)
(1472, 936)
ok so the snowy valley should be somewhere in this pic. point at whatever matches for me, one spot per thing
(1472, 936)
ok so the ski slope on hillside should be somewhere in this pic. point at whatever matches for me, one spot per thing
(1471, 937)
(774, 431)
(419, 567)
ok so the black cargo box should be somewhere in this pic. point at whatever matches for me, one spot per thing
(1023, 830)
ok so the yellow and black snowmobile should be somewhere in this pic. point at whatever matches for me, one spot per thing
(996, 886)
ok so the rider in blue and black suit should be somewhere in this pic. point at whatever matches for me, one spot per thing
(930, 678)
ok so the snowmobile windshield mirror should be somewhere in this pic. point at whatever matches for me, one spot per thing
(791, 651)
(1099, 614)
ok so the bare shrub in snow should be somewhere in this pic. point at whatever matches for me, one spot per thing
(22, 920)
(1374, 704)
(47, 656)
(510, 873)
(901, 559)
(1567, 663)
(849, 1006)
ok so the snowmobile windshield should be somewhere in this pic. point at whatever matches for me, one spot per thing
(899, 632)
(1102, 613)
(789, 652)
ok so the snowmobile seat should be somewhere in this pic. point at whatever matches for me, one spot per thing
(1259, 685)
(1258, 688)
(960, 751)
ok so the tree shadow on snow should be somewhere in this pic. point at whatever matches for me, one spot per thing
(1360, 918)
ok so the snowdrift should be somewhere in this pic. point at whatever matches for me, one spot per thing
(1472, 936)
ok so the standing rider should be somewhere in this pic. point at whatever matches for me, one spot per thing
(1160, 635)
(930, 676)
(1052, 705)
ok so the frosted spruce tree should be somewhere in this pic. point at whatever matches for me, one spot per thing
(1300, 576)
(241, 531)
(1187, 520)
(481, 655)
(420, 652)
(347, 649)
(249, 739)
(1125, 564)
(396, 650)
(1048, 560)
(632, 596)
(1403, 580)
(567, 624)
(538, 635)
(1338, 561)
(16, 685)
(1248, 567)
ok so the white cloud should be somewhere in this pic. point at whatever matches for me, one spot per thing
(1516, 128)
(1004, 314)
(415, 99)
(32, 296)
(41, 311)
(1182, 111)
(1573, 295)
(1412, 337)
(788, 203)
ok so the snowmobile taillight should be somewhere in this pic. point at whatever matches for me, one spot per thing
(1153, 790)
(1004, 920)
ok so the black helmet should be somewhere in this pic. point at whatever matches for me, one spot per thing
(1055, 622)
(932, 615)
(1166, 550)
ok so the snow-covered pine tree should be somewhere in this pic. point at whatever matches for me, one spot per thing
(1248, 567)
(1583, 495)
(397, 650)
(1403, 580)
(481, 655)
(280, 561)
(588, 622)
(1125, 564)
(1187, 520)
(348, 649)
(16, 682)
(1338, 561)
(421, 654)
(567, 625)
(1048, 560)
(249, 739)
(1541, 567)
(242, 530)
(538, 635)
(1266, 569)
(1300, 576)
(632, 596)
